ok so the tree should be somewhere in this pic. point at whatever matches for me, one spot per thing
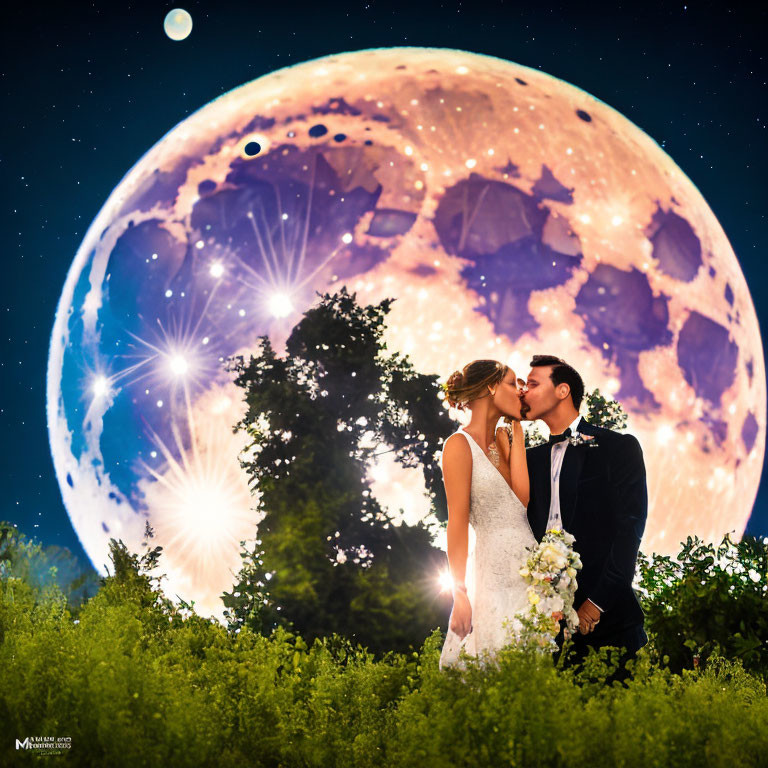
(329, 558)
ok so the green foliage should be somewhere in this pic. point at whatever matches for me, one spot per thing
(604, 412)
(328, 558)
(533, 434)
(42, 567)
(132, 579)
(249, 604)
(708, 599)
(525, 711)
(135, 683)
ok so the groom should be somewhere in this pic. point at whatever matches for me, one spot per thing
(591, 482)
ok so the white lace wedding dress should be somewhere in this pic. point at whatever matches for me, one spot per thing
(498, 536)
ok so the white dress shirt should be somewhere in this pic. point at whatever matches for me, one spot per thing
(557, 455)
(556, 462)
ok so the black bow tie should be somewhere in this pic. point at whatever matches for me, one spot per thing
(560, 438)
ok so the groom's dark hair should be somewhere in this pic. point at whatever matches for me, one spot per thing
(562, 373)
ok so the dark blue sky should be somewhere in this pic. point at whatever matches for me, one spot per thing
(89, 88)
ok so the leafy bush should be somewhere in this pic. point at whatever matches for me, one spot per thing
(136, 681)
(41, 566)
(709, 599)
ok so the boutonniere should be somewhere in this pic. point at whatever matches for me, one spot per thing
(581, 439)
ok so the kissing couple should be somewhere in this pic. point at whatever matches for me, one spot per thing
(502, 499)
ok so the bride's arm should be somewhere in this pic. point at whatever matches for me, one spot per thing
(457, 478)
(518, 462)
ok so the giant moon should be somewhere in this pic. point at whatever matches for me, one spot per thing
(508, 213)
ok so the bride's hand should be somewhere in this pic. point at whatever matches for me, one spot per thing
(516, 426)
(461, 615)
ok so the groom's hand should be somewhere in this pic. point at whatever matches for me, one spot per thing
(589, 615)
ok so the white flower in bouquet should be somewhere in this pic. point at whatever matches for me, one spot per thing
(556, 603)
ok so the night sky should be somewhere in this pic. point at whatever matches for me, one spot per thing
(88, 88)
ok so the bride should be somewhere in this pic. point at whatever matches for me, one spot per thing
(486, 485)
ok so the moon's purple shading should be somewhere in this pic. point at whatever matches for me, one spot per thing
(622, 318)
(423, 270)
(160, 188)
(549, 187)
(675, 245)
(73, 362)
(283, 183)
(135, 305)
(124, 439)
(135, 282)
(499, 230)
(321, 203)
(717, 428)
(749, 432)
(707, 357)
(388, 222)
(358, 259)
(257, 123)
(729, 293)
(510, 169)
(336, 106)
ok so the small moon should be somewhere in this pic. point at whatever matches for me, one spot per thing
(177, 24)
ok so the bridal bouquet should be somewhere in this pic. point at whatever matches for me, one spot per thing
(550, 571)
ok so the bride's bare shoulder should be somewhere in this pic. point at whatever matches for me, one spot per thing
(456, 450)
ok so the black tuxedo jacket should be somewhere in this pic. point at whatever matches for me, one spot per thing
(604, 505)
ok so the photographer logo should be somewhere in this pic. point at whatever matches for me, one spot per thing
(45, 745)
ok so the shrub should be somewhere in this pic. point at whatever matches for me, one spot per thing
(709, 599)
(137, 682)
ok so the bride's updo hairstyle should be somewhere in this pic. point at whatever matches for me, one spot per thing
(473, 381)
